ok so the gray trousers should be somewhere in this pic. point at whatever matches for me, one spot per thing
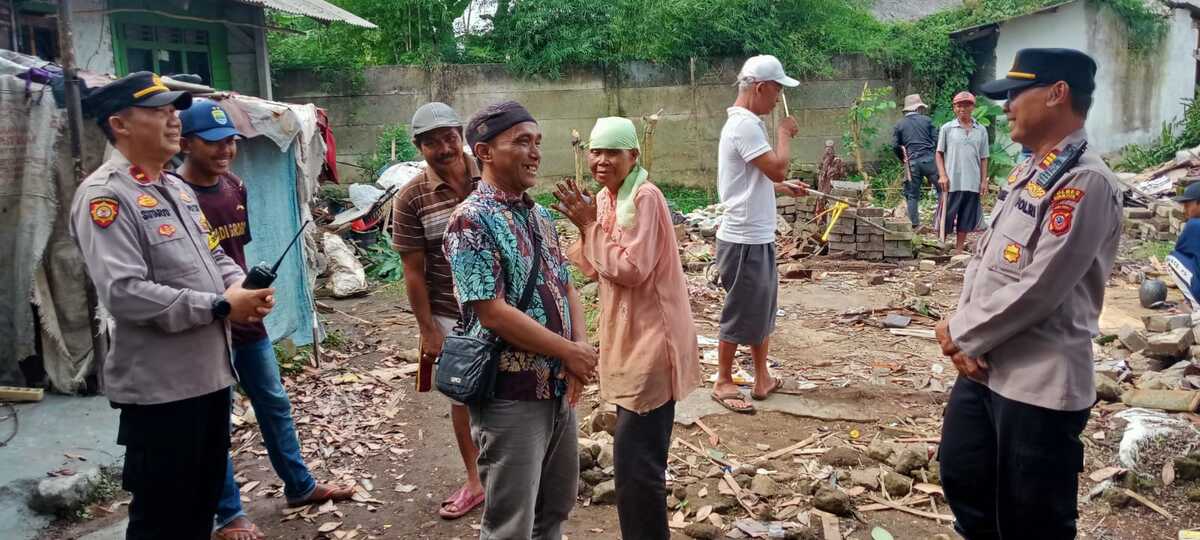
(529, 466)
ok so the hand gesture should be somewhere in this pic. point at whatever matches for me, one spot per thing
(788, 127)
(972, 368)
(249, 306)
(942, 333)
(576, 203)
(431, 343)
(581, 361)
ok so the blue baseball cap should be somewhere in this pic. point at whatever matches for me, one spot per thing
(207, 120)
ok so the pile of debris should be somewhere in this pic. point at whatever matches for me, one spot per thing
(1159, 221)
(1161, 359)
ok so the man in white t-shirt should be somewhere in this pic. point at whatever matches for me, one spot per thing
(749, 172)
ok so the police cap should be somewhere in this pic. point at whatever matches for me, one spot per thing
(141, 89)
(1041, 67)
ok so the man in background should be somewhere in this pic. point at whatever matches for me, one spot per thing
(421, 212)
(915, 142)
(962, 162)
(209, 147)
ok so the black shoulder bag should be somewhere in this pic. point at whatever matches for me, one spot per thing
(467, 367)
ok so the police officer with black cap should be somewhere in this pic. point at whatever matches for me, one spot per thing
(145, 244)
(1021, 338)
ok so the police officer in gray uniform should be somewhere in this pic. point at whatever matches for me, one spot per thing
(145, 243)
(1022, 336)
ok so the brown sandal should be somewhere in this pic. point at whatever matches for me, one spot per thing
(778, 385)
(237, 533)
(727, 402)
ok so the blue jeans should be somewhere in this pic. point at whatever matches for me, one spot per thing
(258, 375)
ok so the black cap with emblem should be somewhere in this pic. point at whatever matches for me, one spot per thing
(1040, 67)
(141, 89)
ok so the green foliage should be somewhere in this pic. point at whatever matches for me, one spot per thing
(863, 120)
(1145, 28)
(410, 32)
(1176, 135)
(291, 364)
(382, 156)
(1153, 248)
(685, 199)
(335, 339)
(543, 37)
(384, 263)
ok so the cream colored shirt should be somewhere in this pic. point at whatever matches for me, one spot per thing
(648, 352)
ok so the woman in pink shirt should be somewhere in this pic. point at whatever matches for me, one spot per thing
(648, 354)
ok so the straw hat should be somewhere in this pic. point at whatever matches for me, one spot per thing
(913, 102)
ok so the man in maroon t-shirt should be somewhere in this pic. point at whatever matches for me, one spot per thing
(209, 146)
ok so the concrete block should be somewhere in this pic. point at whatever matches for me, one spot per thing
(784, 202)
(898, 237)
(897, 251)
(845, 247)
(876, 244)
(1173, 343)
(870, 255)
(1132, 339)
(1138, 213)
(927, 265)
(1166, 323)
(872, 212)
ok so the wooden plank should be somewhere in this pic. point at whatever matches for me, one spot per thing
(913, 332)
(1149, 504)
(20, 393)
(830, 528)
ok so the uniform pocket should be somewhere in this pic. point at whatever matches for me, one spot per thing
(172, 257)
(1012, 254)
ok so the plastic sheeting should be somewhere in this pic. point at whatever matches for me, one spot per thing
(29, 127)
(275, 216)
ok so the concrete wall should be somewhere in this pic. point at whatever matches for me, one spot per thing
(694, 98)
(93, 36)
(1134, 93)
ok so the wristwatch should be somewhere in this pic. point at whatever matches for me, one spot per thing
(221, 308)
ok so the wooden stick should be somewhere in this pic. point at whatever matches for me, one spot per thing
(907, 510)
(783, 95)
(737, 493)
(703, 454)
(784, 451)
(713, 439)
(20, 393)
(1149, 504)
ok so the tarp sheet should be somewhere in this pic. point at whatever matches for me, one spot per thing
(274, 207)
(29, 127)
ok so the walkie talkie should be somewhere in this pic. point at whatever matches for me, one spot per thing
(262, 276)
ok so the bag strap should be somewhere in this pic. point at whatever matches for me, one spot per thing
(534, 269)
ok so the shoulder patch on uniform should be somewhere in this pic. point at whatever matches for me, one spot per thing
(1068, 194)
(146, 201)
(166, 229)
(1059, 223)
(104, 211)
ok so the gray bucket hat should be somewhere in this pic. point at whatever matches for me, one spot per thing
(431, 116)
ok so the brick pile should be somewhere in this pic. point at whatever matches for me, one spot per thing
(1162, 220)
(859, 232)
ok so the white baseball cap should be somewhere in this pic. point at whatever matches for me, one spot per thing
(765, 67)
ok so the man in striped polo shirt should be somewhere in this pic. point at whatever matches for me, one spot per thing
(422, 210)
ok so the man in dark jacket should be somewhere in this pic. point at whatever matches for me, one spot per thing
(914, 141)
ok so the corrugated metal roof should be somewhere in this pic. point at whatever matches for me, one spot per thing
(315, 9)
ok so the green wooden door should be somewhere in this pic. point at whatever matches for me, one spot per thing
(168, 46)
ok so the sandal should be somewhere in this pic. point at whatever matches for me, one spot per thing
(322, 493)
(728, 403)
(238, 533)
(460, 506)
(775, 388)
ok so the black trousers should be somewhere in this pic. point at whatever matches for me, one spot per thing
(175, 455)
(1010, 469)
(640, 449)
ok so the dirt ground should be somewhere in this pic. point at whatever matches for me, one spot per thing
(361, 420)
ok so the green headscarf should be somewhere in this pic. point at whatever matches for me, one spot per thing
(616, 133)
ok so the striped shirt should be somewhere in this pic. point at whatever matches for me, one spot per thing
(422, 210)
